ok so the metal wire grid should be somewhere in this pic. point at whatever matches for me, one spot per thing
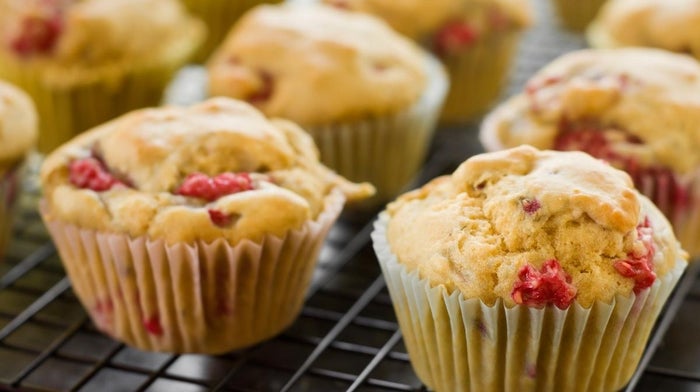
(345, 339)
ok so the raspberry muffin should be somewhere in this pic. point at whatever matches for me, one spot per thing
(18, 130)
(87, 61)
(219, 16)
(527, 270)
(577, 14)
(475, 39)
(636, 108)
(368, 96)
(191, 229)
(673, 25)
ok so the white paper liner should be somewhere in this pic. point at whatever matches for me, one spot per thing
(458, 344)
(10, 188)
(192, 297)
(385, 151)
(478, 75)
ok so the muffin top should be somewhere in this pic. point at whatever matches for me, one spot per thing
(643, 103)
(535, 228)
(316, 64)
(88, 33)
(218, 169)
(419, 18)
(669, 24)
(18, 124)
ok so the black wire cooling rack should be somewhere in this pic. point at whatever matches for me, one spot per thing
(345, 339)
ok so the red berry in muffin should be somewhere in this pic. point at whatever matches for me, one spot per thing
(550, 285)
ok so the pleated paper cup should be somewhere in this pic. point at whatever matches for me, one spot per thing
(10, 187)
(387, 151)
(72, 101)
(577, 14)
(219, 16)
(192, 297)
(458, 344)
(478, 75)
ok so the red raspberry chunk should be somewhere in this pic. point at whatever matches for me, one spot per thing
(265, 91)
(220, 218)
(90, 173)
(454, 37)
(153, 326)
(530, 206)
(550, 285)
(639, 266)
(211, 188)
(37, 33)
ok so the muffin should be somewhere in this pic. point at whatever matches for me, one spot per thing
(219, 16)
(475, 39)
(191, 229)
(18, 129)
(636, 108)
(673, 25)
(577, 14)
(87, 61)
(368, 96)
(527, 270)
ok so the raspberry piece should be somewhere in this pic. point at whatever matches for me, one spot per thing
(38, 33)
(152, 325)
(530, 206)
(639, 266)
(219, 218)
(342, 4)
(202, 186)
(549, 285)
(265, 91)
(454, 37)
(90, 173)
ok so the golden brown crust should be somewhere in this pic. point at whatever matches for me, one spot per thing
(154, 150)
(319, 65)
(470, 231)
(652, 94)
(419, 18)
(668, 24)
(101, 38)
(18, 124)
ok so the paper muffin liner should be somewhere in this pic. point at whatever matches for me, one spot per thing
(66, 109)
(478, 75)
(577, 14)
(458, 344)
(192, 297)
(387, 151)
(10, 187)
(219, 16)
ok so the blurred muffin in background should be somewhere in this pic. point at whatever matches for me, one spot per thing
(86, 61)
(18, 132)
(475, 39)
(368, 96)
(219, 16)
(577, 14)
(191, 229)
(527, 270)
(673, 25)
(636, 108)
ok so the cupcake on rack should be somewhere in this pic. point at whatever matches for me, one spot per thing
(638, 109)
(87, 61)
(368, 96)
(191, 229)
(475, 39)
(18, 130)
(219, 16)
(527, 270)
(673, 25)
